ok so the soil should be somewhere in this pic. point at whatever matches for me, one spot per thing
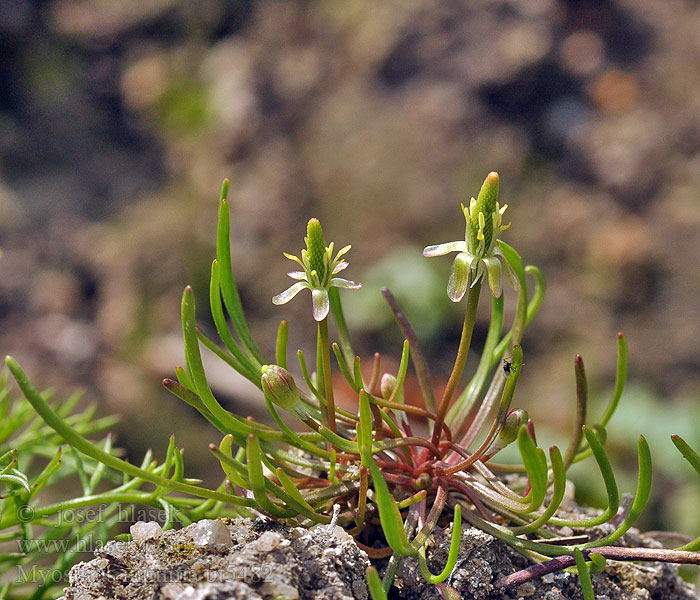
(264, 560)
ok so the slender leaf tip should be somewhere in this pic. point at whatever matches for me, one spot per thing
(224, 189)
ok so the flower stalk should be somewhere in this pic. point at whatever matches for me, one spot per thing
(460, 360)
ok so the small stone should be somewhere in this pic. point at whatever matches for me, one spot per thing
(171, 591)
(268, 541)
(331, 533)
(548, 578)
(526, 589)
(142, 531)
(331, 553)
(199, 567)
(211, 535)
(279, 591)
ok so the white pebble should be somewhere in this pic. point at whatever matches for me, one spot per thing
(268, 541)
(211, 535)
(142, 531)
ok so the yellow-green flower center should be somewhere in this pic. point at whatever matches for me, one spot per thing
(481, 220)
(316, 248)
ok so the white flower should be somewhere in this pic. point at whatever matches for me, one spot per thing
(480, 254)
(319, 272)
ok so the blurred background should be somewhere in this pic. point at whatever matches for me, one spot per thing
(119, 120)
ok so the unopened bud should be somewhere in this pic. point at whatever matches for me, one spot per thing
(387, 385)
(509, 433)
(279, 387)
(423, 482)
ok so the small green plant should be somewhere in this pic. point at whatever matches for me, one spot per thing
(43, 535)
(40, 544)
(387, 486)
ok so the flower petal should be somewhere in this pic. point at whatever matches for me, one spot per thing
(321, 304)
(446, 248)
(510, 271)
(512, 276)
(289, 293)
(345, 283)
(494, 269)
(478, 270)
(341, 266)
(459, 277)
(298, 275)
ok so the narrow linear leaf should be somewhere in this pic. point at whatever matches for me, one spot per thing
(451, 557)
(86, 447)
(584, 576)
(229, 290)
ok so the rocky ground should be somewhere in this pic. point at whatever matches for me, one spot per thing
(118, 122)
(262, 560)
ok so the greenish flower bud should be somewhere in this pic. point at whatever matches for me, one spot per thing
(387, 385)
(509, 433)
(423, 482)
(279, 387)
(316, 247)
(481, 209)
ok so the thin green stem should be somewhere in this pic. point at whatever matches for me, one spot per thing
(641, 496)
(375, 584)
(451, 557)
(460, 361)
(506, 398)
(324, 350)
(559, 476)
(281, 346)
(464, 405)
(687, 452)
(242, 363)
(341, 325)
(584, 576)
(608, 475)
(344, 369)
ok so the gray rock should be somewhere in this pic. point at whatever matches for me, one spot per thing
(265, 560)
(223, 559)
